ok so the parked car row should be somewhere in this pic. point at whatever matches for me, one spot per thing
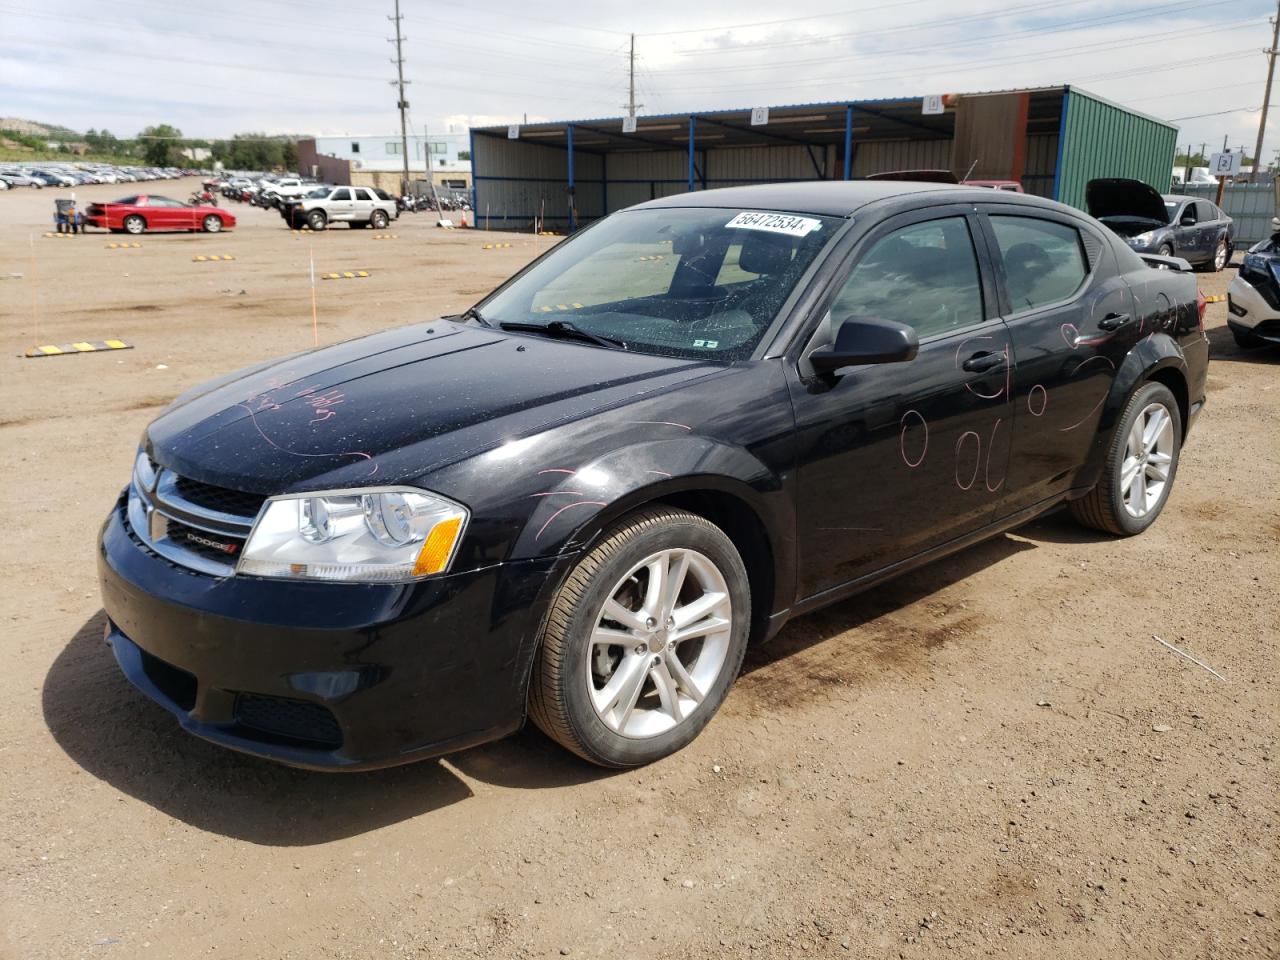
(40, 175)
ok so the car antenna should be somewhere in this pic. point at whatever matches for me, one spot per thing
(969, 171)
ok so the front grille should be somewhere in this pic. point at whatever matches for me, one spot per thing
(288, 719)
(219, 498)
(175, 683)
(190, 523)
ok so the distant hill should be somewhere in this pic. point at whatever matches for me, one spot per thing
(31, 128)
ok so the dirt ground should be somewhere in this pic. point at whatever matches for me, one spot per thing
(988, 757)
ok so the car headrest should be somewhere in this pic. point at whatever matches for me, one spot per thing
(765, 253)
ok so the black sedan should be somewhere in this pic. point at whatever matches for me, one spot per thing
(581, 500)
(1169, 226)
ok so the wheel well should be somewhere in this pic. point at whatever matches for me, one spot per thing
(741, 524)
(1177, 385)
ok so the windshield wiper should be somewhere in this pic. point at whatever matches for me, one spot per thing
(473, 313)
(564, 328)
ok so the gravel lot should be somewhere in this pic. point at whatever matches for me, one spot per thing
(988, 757)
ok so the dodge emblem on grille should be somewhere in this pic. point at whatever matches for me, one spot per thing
(211, 543)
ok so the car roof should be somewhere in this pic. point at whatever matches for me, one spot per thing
(832, 198)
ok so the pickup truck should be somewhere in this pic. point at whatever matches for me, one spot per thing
(358, 206)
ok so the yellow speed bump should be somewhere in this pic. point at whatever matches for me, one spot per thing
(212, 257)
(58, 236)
(345, 275)
(386, 236)
(82, 346)
(658, 256)
(495, 246)
(122, 246)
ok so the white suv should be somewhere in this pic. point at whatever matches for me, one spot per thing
(358, 206)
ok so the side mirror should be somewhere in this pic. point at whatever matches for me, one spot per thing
(863, 340)
(1188, 220)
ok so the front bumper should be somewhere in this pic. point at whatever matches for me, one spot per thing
(325, 676)
(1248, 311)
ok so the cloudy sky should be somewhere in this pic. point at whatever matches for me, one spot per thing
(319, 66)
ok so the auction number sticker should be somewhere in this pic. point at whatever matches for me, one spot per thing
(776, 223)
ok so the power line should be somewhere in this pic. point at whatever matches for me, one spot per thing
(1015, 59)
(950, 45)
(880, 31)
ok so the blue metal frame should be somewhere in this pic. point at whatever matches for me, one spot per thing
(693, 132)
(1062, 142)
(848, 142)
(569, 137)
(475, 203)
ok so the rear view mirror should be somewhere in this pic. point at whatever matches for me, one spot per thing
(863, 340)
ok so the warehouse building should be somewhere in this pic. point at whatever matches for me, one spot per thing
(1052, 140)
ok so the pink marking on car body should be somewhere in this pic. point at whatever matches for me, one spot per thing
(662, 423)
(977, 462)
(568, 506)
(986, 480)
(1043, 403)
(661, 473)
(901, 439)
(352, 453)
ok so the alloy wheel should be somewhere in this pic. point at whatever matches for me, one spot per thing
(1220, 256)
(1148, 459)
(660, 642)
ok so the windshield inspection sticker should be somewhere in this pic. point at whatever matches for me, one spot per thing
(776, 223)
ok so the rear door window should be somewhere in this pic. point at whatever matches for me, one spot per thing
(1044, 260)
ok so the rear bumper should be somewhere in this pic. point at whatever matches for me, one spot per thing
(324, 676)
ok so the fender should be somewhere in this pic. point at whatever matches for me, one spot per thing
(579, 504)
(1155, 352)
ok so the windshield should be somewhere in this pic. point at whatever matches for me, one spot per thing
(690, 282)
(318, 193)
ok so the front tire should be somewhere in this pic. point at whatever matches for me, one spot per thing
(1247, 340)
(1141, 465)
(643, 640)
(1166, 250)
(212, 223)
(134, 224)
(316, 220)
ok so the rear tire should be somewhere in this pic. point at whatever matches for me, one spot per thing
(379, 220)
(670, 587)
(1141, 465)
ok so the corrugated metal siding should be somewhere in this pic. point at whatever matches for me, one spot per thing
(1042, 157)
(1250, 205)
(1103, 140)
(882, 156)
(515, 179)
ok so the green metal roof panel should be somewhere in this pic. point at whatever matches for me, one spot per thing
(1100, 139)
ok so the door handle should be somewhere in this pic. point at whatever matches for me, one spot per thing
(1113, 321)
(983, 361)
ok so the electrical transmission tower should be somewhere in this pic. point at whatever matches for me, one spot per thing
(402, 103)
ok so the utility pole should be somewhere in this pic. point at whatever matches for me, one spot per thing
(631, 99)
(403, 104)
(1266, 96)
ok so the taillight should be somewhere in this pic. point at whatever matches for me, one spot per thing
(1201, 305)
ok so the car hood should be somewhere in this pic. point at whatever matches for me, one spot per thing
(394, 406)
(1119, 197)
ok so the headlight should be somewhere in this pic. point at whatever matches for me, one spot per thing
(1143, 239)
(363, 536)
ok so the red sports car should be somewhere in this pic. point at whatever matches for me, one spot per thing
(149, 212)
